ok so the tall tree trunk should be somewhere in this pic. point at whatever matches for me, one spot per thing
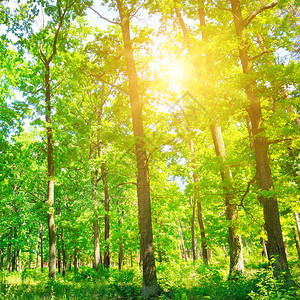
(194, 250)
(50, 195)
(8, 256)
(199, 206)
(63, 250)
(76, 262)
(106, 217)
(42, 246)
(234, 239)
(275, 244)
(121, 248)
(150, 287)
(96, 262)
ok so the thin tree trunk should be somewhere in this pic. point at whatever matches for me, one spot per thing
(121, 248)
(1, 258)
(42, 246)
(76, 263)
(199, 207)
(193, 231)
(8, 257)
(297, 223)
(263, 243)
(296, 242)
(275, 246)
(234, 239)
(106, 217)
(182, 241)
(63, 250)
(150, 287)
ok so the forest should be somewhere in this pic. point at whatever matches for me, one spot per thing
(149, 149)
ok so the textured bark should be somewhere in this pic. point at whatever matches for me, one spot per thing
(194, 250)
(150, 287)
(8, 256)
(96, 262)
(234, 239)
(50, 194)
(275, 245)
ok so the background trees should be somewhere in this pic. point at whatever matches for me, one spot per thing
(134, 107)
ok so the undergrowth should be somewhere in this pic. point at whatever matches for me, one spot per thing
(178, 281)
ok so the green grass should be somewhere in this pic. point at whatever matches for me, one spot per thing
(179, 281)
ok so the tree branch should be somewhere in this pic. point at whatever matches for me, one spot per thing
(279, 141)
(247, 191)
(258, 11)
(96, 12)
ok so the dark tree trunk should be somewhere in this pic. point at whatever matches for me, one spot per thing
(13, 261)
(8, 256)
(59, 259)
(121, 248)
(42, 245)
(1, 258)
(150, 287)
(275, 246)
(234, 239)
(76, 263)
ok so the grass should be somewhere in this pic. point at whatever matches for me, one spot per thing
(179, 281)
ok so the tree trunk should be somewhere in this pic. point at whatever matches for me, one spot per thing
(150, 287)
(13, 261)
(63, 250)
(297, 223)
(121, 248)
(96, 262)
(194, 250)
(296, 242)
(50, 194)
(1, 258)
(182, 241)
(42, 246)
(106, 217)
(8, 257)
(199, 207)
(275, 245)
(263, 243)
(76, 263)
(234, 239)
(59, 260)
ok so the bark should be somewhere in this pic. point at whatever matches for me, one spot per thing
(50, 195)
(63, 250)
(263, 243)
(275, 245)
(234, 239)
(13, 261)
(296, 242)
(8, 256)
(96, 262)
(150, 287)
(59, 260)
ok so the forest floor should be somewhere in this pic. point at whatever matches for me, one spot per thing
(179, 281)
